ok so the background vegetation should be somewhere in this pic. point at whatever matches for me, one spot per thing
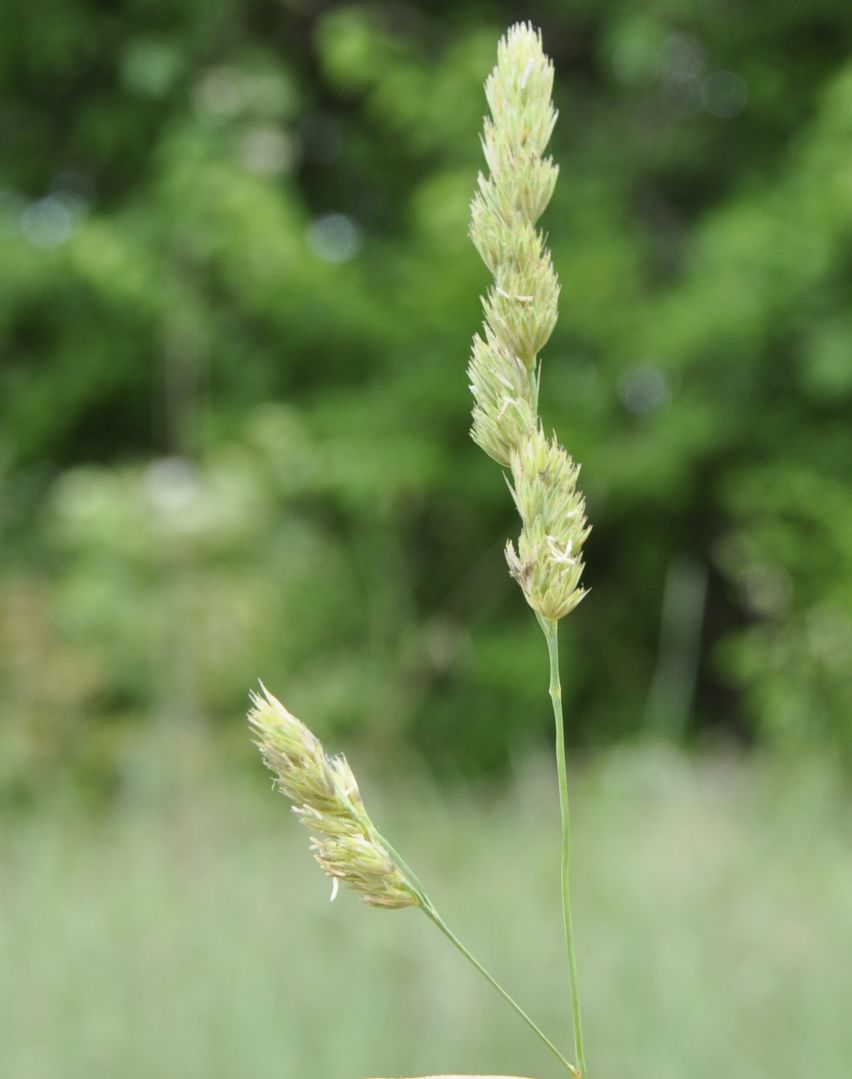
(236, 297)
(197, 941)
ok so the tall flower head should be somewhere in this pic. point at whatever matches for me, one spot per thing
(345, 842)
(520, 311)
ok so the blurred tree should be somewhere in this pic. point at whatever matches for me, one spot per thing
(206, 210)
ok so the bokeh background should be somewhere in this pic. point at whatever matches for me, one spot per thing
(236, 300)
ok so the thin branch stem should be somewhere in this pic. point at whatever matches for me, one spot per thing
(454, 940)
(433, 915)
(551, 633)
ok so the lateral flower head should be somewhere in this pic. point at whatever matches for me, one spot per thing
(548, 563)
(327, 801)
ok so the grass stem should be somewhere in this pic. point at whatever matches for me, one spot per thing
(551, 633)
(454, 940)
(431, 912)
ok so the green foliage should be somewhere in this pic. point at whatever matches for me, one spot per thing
(236, 294)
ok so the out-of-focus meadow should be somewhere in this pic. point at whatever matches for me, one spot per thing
(236, 300)
(193, 938)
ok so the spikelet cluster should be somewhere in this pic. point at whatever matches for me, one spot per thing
(327, 801)
(548, 563)
(520, 311)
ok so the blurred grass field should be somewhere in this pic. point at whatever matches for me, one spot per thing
(189, 935)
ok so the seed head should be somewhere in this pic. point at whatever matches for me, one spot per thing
(520, 313)
(327, 801)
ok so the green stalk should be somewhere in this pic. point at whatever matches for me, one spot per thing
(454, 940)
(551, 633)
(433, 915)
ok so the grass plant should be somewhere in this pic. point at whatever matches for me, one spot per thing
(520, 310)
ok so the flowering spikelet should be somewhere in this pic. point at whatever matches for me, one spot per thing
(327, 801)
(548, 563)
(520, 306)
(504, 409)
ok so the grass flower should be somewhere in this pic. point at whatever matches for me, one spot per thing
(327, 801)
(520, 311)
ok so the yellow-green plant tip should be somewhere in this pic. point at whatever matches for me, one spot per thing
(327, 801)
(520, 306)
